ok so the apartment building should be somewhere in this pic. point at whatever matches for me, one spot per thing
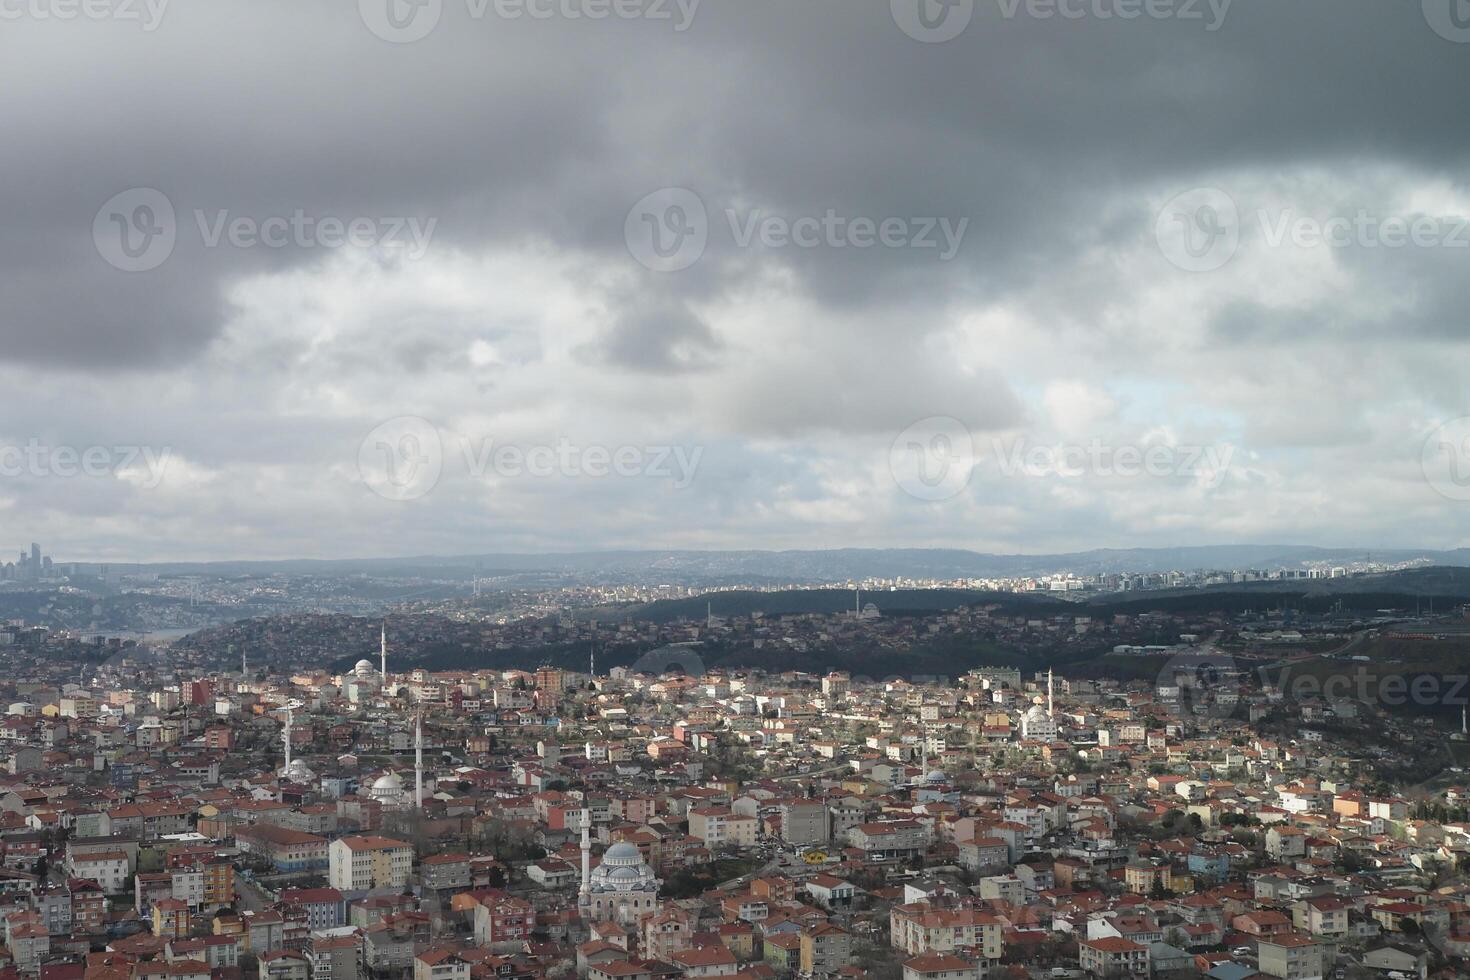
(358, 863)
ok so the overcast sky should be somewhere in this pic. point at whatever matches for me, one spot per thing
(1004, 275)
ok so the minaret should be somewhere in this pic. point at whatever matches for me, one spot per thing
(287, 735)
(1048, 693)
(586, 890)
(383, 651)
(244, 664)
(418, 761)
(1465, 719)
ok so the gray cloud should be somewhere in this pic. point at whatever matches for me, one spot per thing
(527, 318)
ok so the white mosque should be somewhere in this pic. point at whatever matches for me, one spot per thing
(364, 680)
(1038, 723)
(295, 770)
(388, 789)
(622, 889)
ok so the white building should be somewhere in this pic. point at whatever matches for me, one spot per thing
(359, 863)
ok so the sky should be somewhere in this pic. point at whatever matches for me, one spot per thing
(373, 277)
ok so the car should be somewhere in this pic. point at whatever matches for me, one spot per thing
(1241, 951)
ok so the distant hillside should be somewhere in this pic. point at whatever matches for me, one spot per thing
(1442, 587)
(1420, 588)
(828, 601)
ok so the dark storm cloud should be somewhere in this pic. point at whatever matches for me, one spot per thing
(513, 130)
(1052, 139)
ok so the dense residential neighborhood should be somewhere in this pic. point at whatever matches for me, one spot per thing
(162, 818)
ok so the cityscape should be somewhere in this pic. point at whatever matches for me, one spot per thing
(734, 490)
(891, 779)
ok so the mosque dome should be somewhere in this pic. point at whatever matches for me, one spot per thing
(298, 772)
(622, 854)
(364, 668)
(623, 870)
(388, 789)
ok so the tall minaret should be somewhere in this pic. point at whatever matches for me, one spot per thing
(383, 651)
(418, 761)
(287, 736)
(1048, 693)
(586, 890)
